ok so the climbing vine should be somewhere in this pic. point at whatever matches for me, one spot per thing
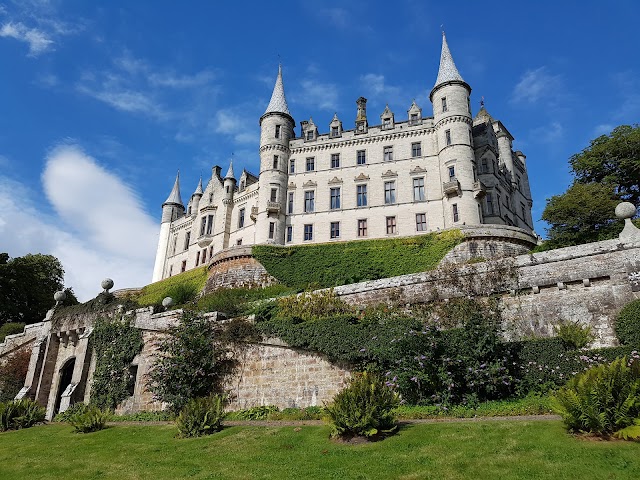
(115, 344)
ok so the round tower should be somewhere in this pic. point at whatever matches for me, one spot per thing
(172, 209)
(194, 204)
(276, 130)
(452, 122)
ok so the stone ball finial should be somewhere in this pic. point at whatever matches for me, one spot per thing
(60, 296)
(107, 284)
(625, 210)
(167, 302)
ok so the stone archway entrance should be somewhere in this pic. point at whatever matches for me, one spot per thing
(66, 374)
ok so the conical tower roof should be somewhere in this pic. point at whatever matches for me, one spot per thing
(174, 196)
(230, 173)
(448, 72)
(278, 103)
(199, 190)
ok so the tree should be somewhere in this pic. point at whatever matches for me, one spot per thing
(606, 173)
(614, 160)
(27, 285)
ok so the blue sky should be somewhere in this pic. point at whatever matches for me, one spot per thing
(102, 104)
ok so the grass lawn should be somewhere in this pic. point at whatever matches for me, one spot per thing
(478, 450)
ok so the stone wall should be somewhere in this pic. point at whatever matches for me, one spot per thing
(236, 267)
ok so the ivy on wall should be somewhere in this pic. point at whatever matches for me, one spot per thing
(116, 342)
(331, 264)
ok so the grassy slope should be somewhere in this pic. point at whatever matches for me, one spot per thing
(155, 292)
(478, 450)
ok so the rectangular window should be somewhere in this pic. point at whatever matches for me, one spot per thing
(239, 242)
(444, 104)
(361, 157)
(362, 228)
(187, 239)
(523, 212)
(170, 269)
(335, 198)
(489, 201)
(204, 255)
(310, 135)
(388, 153)
(203, 225)
(421, 222)
(518, 183)
(389, 192)
(361, 191)
(175, 245)
(416, 149)
(274, 195)
(414, 119)
(484, 165)
(452, 173)
(241, 218)
(272, 229)
(386, 123)
(292, 166)
(447, 137)
(289, 233)
(290, 203)
(335, 230)
(308, 232)
(309, 201)
(470, 138)
(210, 251)
(183, 267)
(391, 225)
(456, 216)
(209, 224)
(275, 162)
(277, 131)
(335, 131)
(418, 189)
(335, 160)
(311, 164)
(197, 259)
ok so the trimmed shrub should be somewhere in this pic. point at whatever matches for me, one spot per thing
(10, 328)
(92, 419)
(628, 324)
(236, 301)
(20, 414)
(602, 400)
(364, 408)
(201, 416)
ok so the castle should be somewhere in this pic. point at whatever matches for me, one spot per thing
(395, 178)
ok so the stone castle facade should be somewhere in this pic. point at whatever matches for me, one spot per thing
(392, 178)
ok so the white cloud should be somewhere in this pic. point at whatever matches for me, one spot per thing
(536, 85)
(377, 89)
(124, 99)
(233, 122)
(100, 230)
(337, 16)
(548, 134)
(314, 94)
(38, 40)
(602, 129)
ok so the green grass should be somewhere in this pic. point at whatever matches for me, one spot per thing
(479, 450)
(156, 292)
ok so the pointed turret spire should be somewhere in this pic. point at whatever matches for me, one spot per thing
(199, 190)
(230, 173)
(447, 71)
(278, 103)
(174, 196)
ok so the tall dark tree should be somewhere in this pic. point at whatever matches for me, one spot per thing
(27, 285)
(606, 173)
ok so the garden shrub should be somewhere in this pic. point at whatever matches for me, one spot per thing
(11, 328)
(262, 412)
(201, 416)
(116, 342)
(628, 324)
(311, 306)
(90, 419)
(236, 301)
(13, 372)
(604, 399)
(18, 414)
(74, 409)
(331, 264)
(574, 335)
(363, 408)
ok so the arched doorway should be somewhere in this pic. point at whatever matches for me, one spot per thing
(66, 374)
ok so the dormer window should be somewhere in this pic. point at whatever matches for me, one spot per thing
(310, 135)
(386, 123)
(414, 119)
(335, 131)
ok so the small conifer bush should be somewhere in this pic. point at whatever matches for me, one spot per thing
(364, 408)
(18, 414)
(201, 416)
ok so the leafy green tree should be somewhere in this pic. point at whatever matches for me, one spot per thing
(614, 160)
(27, 285)
(606, 173)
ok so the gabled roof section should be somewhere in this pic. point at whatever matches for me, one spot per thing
(174, 196)
(278, 103)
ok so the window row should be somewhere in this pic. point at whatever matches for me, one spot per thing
(362, 228)
(362, 196)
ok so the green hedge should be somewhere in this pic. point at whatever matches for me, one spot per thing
(331, 264)
(192, 280)
(628, 324)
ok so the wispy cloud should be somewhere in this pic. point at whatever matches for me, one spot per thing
(536, 85)
(378, 90)
(548, 134)
(38, 41)
(233, 122)
(602, 129)
(100, 228)
(315, 94)
(338, 17)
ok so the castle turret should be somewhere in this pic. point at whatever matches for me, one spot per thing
(196, 196)
(229, 191)
(172, 209)
(276, 129)
(453, 122)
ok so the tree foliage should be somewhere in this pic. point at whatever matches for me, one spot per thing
(27, 285)
(606, 173)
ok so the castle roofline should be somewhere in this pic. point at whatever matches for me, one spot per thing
(447, 72)
(174, 196)
(278, 102)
